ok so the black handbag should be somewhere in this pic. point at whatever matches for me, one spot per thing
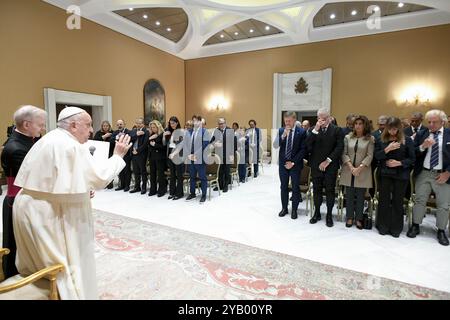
(367, 221)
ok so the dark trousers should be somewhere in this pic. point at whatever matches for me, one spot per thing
(390, 206)
(125, 174)
(255, 169)
(158, 182)
(354, 202)
(200, 170)
(9, 242)
(176, 179)
(285, 174)
(140, 172)
(327, 180)
(242, 170)
(224, 176)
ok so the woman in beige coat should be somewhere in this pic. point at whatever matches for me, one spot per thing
(356, 173)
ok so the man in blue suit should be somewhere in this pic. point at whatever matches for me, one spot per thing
(432, 171)
(291, 141)
(416, 125)
(196, 142)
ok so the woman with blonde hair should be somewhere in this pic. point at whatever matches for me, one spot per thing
(158, 160)
(396, 155)
(356, 172)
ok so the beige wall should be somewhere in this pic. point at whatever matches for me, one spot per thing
(369, 73)
(37, 51)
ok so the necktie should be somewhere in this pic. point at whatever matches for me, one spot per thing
(193, 141)
(415, 130)
(289, 147)
(434, 160)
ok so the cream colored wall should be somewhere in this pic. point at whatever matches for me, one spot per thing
(369, 74)
(38, 51)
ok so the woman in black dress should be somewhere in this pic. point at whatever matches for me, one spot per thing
(172, 138)
(396, 155)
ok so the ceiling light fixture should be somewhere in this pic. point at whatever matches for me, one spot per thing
(131, 9)
(157, 23)
(376, 9)
(354, 12)
(145, 16)
(251, 30)
(267, 28)
(332, 16)
(169, 29)
(222, 36)
(401, 4)
(236, 33)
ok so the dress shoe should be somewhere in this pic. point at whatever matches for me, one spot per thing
(294, 214)
(203, 199)
(135, 190)
(143, 191)
(349, 223)
(283, 213)
(126, 189)
(190, 197)
(119, 189)
(109, 186)
(329, 220)
(216, 189)
(359, 225)
(442, 238)
(151, 194)
(176, 198)
(315, 218)
(395, 235)
(413, 231)
(170, 197)
(161, 195)
(382, 232)
(225, 190)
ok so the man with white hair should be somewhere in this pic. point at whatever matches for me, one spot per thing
(29, 123)
(53, 222)
(432, 171)
(325, 146)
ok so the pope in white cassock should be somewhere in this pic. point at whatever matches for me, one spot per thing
(53, 220)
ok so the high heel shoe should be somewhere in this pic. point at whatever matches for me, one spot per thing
(359, 225)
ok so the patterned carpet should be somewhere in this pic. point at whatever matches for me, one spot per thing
(142, 260)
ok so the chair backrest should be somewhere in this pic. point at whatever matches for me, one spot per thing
(213, 169)
(237, 159)
(305, 176)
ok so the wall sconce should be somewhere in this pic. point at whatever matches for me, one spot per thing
(218, 103)
(417, 95)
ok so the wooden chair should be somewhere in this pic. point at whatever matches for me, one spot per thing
(234, 173)
(38, 286)
(306, 187)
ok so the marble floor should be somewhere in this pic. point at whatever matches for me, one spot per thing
(248, 214)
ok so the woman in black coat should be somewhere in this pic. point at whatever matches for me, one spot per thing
(172, 138)
(158, 160)
(396, 156)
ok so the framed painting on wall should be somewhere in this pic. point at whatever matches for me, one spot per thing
(154, 102)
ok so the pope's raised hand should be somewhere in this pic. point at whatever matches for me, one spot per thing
(122, 145)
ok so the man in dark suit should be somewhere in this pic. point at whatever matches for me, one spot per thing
(432, 171)
(254, 138)
(381, 124)
(196, 142)
(125, 174)
(415, 125)
(224, 142)
(291, 141)
(325, 145)
(139, 138)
